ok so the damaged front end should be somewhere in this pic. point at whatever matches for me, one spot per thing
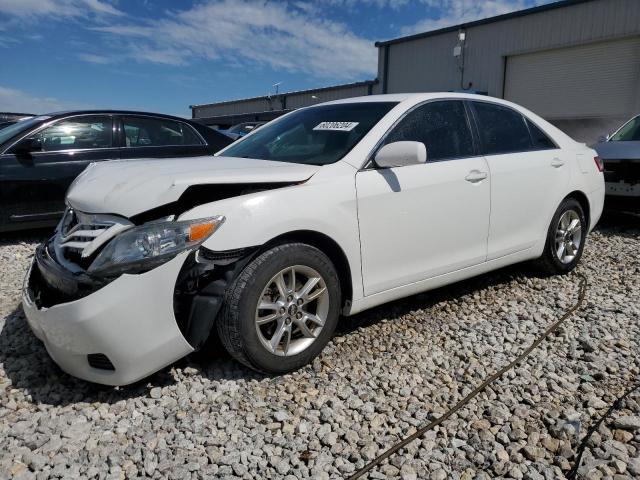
(91, 251)
(201, 287)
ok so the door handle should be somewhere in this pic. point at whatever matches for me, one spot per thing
(476, 176)
(557, 162)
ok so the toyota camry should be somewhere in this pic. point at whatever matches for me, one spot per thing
(326, 211)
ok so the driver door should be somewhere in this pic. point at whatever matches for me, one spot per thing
(421, 221)
(34, 182)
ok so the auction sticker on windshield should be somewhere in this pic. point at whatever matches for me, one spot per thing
(336, 126)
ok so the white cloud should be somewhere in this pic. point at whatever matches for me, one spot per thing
(92, 58)
(57, 8)
(454, 12)
(395, 4)
(259, 32)
(13, 100)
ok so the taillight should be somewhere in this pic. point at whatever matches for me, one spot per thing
(599, 163)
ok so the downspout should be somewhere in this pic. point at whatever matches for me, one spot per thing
(385, 73)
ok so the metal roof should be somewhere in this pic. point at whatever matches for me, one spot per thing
(484, 21)
(296, 92)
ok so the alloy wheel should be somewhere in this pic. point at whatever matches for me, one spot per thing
(568, 236)
(292, 310)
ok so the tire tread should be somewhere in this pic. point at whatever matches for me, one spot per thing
(228, 322)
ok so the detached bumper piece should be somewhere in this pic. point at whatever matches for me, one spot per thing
(52, 284)
(114, 333)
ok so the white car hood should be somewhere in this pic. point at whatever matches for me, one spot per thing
(130, 187)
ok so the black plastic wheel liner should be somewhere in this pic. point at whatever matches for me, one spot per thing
(200, 289)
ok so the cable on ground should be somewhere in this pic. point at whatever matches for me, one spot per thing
(582, 289)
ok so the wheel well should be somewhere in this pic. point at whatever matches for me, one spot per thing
(330, 248)
(582, 199)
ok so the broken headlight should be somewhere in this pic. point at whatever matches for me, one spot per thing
(152, 244)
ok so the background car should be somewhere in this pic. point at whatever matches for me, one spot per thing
(41, 156)
(4, 123)
(620, 153)
(242, 129)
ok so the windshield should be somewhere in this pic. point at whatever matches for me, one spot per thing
(316, 135)
(17, 128)
(630, 132)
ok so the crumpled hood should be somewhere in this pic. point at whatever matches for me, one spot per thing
(618, 150)
(130, 187)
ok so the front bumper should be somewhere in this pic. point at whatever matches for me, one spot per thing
(130, 321)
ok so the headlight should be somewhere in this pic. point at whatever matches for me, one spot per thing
(151, 244)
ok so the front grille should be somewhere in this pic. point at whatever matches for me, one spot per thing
(81, 235)
(627, 171)
(100, 361)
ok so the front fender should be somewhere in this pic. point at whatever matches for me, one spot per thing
(325, 204)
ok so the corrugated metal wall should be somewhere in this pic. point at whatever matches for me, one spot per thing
(304, 99)
(282, 101)
(428, 64)
(260, 104)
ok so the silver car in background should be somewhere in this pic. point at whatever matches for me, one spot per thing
(620, 153)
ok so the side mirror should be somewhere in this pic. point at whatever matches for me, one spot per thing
(400, 154)
(27, 145)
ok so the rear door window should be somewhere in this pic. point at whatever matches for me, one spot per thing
(501, 129)
(78, 133)
(539, 139)
(157, 132)
(442, 126)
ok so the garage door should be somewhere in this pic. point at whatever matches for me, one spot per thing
(595, 80)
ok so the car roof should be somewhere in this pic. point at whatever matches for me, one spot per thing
(414, 97)
(65, 113)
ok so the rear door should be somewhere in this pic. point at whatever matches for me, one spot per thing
(529, 177)
(34, 183)
(421, 221)
(157, 137)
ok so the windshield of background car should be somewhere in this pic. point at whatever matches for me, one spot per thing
(316, 135)
(19, 127)
(630, 132)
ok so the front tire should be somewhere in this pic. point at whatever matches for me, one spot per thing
(565, 239)
(282, 309)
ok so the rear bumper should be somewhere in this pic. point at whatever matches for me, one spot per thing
(130, 320)
(627, 203)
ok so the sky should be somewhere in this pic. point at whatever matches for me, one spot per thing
(164, 55)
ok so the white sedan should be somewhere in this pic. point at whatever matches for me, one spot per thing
(329, 210)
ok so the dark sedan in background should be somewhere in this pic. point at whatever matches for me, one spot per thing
(620, 153)
(41, 156)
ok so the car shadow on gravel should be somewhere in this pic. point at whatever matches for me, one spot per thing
(619, 224)
(426, 300)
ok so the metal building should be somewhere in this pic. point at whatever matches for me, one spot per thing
(574, 62)
(268, 107)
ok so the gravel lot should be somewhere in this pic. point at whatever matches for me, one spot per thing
(387, 372)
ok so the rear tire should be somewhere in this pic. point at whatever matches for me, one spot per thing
(565, 239)
(269, 320)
